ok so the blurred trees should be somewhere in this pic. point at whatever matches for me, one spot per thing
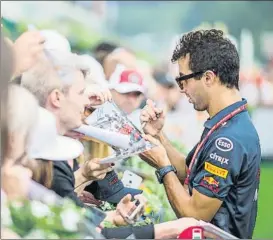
(155, 16)
(178, 17)
(256, 16)
(163, 19)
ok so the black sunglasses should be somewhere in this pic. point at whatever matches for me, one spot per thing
(180, 79)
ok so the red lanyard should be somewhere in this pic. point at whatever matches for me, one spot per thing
(201, 144)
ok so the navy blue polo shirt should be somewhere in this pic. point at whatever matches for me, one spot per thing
(228, 168)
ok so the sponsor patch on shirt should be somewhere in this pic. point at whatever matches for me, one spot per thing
(211, 184)
(221, 172)
(224, 144)
(219, 158)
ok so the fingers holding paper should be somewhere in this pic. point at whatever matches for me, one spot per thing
(93, 170)
(156, 157)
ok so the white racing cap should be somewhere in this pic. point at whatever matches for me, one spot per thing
(47, 144)
(125, 81)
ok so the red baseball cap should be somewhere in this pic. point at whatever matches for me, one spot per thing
(125, 81)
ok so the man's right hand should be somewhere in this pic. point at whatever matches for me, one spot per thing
(93, 170)
(152, 119)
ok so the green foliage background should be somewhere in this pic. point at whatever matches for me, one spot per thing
(265, 209)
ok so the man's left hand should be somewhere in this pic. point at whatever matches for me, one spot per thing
(156, 157)
(93, 170)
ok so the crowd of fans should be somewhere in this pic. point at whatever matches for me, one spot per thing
(45, 89)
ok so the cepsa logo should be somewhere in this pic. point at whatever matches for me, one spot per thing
(224, 144)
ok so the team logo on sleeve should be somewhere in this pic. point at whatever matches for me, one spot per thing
(220, 172)
(211, 184)
(211, 181)
(224, 144)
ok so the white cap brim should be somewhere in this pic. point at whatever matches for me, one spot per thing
(127, 88)
(63, 149)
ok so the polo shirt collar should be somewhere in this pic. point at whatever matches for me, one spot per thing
(211, 122)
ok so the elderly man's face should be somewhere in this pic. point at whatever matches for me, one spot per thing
(127, 102)
(73, 104)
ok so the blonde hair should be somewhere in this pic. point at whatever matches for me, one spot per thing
(53, 71)
(41, 80)
(42, 172)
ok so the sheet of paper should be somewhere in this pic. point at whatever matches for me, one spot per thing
(123, 154)
(112, 138)
(111, 125)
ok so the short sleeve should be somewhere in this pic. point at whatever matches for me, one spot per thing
(221, 163)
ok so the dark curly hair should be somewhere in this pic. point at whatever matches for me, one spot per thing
(209, 49)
